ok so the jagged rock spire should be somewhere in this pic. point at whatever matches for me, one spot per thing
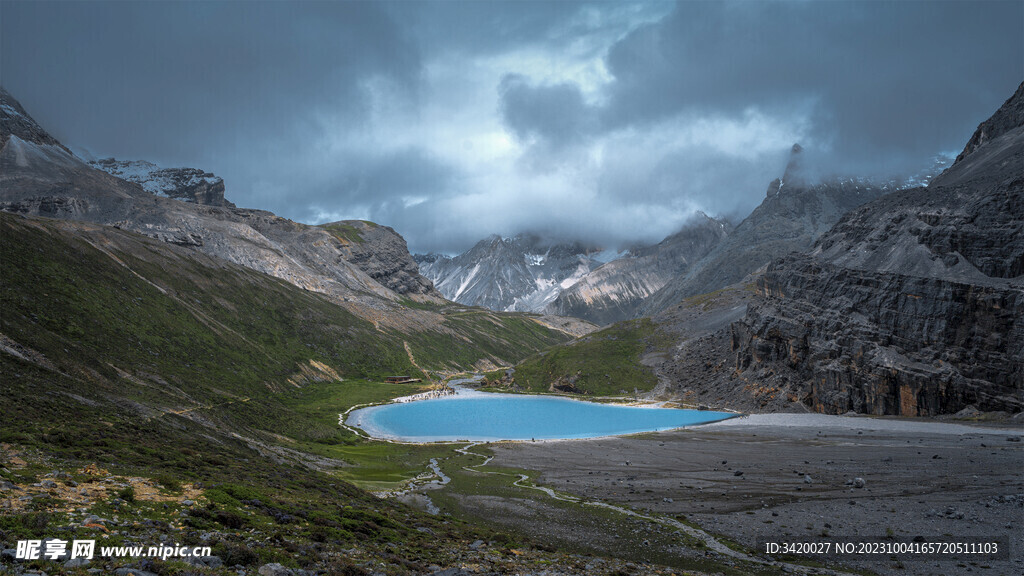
(793, 176)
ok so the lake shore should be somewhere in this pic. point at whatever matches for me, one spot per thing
(473, 416)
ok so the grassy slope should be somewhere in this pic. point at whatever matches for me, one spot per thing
(606, 362)
(163, 363)
(344, 231)
(170, 331)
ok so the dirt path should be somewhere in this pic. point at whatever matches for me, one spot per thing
(408, 351)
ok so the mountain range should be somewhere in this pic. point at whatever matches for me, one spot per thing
(911, 303)
(775, 288)
(524, 272)
(361, 266)
(42, 178)
(706, 254)
(176, 366)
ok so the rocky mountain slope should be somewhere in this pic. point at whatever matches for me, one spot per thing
(38, 176)
(616, 290)
(524, 272)
(1009, 117)
(913, 304)
(186, 184)
(569, 279)
(380, 252)
(794, 213)
(363, 267)
(212, 391)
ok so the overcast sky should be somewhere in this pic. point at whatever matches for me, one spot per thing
(607, 121)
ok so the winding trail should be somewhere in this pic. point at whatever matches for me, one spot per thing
(413, 361)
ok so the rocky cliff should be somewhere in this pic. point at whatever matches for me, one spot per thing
(382, 253)
(186, 184)
(912, 304)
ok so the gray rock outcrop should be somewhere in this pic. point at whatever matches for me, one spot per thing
(186, 184)
(912, 304)
(616, 290)
(794, 213)
(382, 253)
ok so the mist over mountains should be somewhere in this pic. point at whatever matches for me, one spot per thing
(604, 286)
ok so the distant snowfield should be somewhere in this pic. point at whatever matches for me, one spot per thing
(865, 423)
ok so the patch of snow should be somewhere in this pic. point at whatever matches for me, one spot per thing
(465, 283)
(10, 110)
(535, 259)
(153, 178)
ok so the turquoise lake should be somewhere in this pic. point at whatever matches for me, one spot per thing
(481, 416)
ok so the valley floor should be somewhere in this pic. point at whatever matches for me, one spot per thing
(788, 478)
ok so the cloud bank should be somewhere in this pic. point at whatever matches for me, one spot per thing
(605, 122)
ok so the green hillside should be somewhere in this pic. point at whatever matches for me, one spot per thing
(150, 361)
(603, 363)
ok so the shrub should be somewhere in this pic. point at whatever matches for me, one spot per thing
(169, 482)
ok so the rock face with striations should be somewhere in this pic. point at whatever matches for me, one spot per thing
(912, 304)
(616, 290)
(382, 253)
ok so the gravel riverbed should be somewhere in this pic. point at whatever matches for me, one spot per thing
(811, 478)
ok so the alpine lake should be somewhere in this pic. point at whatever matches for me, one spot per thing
(486, 417)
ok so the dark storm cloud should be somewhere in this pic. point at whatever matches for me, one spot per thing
(874, 89)
(889, 80)
(381, 185)
(192, 81)
(556, 114)
(485, 27)
(612, 121)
